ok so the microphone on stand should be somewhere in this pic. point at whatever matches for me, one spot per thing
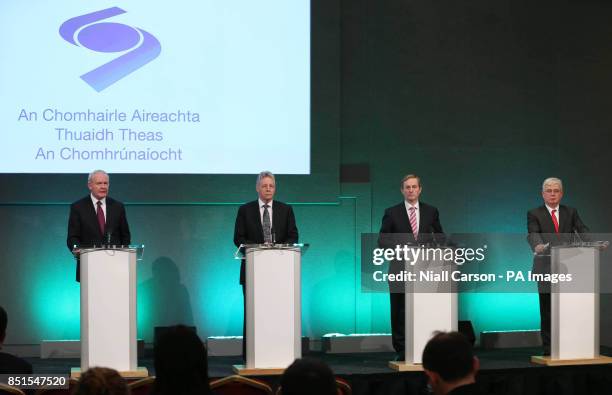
(433, 237)
(577, 237)
(107, 238)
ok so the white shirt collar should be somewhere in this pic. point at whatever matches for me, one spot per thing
(261, 203)
(408, 205)
(550, 209)
(95, 200)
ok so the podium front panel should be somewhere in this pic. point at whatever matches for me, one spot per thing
(430, 307)
(273, 304)
(108, 309)
(575, 310)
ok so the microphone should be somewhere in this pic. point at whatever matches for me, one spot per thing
(107, 238)
(577, 237)
(273, 235)
(433, 237)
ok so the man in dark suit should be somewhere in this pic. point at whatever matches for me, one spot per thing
(96, 219)
(416, 223)
(549, 225)
(10, 364)
(263, 221)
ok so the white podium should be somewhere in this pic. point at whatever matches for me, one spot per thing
(273, 308)
(108, 310)
(574, 307)
(430, 306)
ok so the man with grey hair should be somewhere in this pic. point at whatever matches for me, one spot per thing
(549, 225)
(96, 219)
(264, 220)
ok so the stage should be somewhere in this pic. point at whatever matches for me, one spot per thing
(502, 372)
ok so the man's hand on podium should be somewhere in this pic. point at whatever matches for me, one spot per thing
(540, 248)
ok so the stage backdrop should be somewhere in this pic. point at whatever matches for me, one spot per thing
(482, 99)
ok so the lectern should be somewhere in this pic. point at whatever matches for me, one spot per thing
(273, 308)
(108, 310)
(575, 307)
(431, 305)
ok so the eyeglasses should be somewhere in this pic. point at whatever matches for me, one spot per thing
(551, 191)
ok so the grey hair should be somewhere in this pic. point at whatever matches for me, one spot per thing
(93, 173)
(552, 180)
(263, 175)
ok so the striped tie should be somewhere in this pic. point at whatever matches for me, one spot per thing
(413, 222)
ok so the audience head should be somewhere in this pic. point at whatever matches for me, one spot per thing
(101, 381)
(180, 363)
(3, 324)
(308, 376)
(449, 362)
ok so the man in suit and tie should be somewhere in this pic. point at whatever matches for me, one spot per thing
(96, 219)
(416, 223)
(264, 220)
(549, 225)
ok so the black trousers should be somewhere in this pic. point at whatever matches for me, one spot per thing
(545, 318)
(398, 321)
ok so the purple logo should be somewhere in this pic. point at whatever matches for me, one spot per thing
(87, 31)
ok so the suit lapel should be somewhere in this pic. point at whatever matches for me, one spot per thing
(404, 218)
(564, 220)
(257, 218)
(275, 217)
(109, 213)
(422, 216)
